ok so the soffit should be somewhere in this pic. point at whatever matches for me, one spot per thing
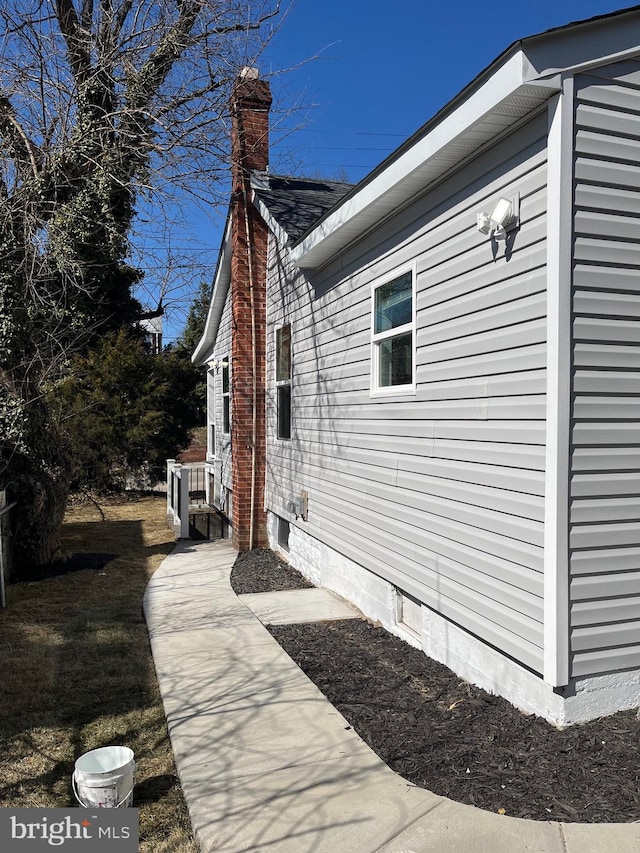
(519, 81)
(414, 172)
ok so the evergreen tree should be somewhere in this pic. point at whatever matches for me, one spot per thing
(124, 412)
(185, 347)
(196, 319)
(101, 103)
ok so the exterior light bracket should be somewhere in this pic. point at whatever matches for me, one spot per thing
(504, 218)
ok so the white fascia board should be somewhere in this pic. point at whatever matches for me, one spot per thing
(220, 289)
(276, 229)
(503, 83)
(589, 65)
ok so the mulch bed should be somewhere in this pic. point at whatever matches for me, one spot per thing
(457, 740)
(264, 571)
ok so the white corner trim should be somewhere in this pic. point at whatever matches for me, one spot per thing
(556, 520)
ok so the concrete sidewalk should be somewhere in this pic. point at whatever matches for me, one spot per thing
(266, 763)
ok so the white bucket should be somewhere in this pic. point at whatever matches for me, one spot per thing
(103, 778)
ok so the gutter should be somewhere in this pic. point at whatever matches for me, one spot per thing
(524, 76)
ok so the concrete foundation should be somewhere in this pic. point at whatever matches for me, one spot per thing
(469, 657)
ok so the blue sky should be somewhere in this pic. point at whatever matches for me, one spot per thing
(381, 70)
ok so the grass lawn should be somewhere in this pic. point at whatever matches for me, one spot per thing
(77, 672)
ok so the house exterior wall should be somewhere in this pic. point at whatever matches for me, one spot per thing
(440, 494)
(222, 451)
(605, 490)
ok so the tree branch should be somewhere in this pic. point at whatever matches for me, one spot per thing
(11, 129)
(87, 15)
(79, 57)
(121, 17)
(144, 85)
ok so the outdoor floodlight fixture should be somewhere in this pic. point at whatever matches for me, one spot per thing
(214, 364)
(505, 217)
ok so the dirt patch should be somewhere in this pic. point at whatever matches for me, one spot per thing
(444, 734)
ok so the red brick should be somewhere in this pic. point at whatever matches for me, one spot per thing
(250, 150)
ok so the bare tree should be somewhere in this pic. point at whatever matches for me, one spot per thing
(103, 103)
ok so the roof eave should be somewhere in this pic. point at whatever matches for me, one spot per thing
(221, 284)
(272, 224)
(513, 90)
(520, 80)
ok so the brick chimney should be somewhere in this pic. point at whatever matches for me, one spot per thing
(250, 103)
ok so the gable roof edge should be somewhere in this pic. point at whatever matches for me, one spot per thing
(221, 283)
(519, 81)
(512, 88)
(272, 224)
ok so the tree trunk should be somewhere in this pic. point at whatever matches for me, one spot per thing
(38, 517)
(38, 481)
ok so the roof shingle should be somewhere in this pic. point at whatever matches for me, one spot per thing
(296, 203)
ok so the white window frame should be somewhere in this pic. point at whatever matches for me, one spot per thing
(226, 395)
(283, 382)
(378, 390)
(211, 412)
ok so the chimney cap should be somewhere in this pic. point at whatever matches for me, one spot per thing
(248, 72)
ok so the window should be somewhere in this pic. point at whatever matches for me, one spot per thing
(226, 397)
(283, 382)
(393, 335)
(211, 409)
(283, 533)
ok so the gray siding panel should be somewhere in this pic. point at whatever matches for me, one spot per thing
(606, 660)
(614, 509)
(439, 492)
(605, 484)
(602, 172)
(616, 610)
(221, 351)
(605, 458)
(616, 584)
(607, 199)
(607, 382)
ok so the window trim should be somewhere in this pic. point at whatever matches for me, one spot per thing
(226, 395)
(378, 390)
(282, 383)
(211, 412)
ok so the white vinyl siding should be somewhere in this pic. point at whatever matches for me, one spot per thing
(442, 492)
(605, 483)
